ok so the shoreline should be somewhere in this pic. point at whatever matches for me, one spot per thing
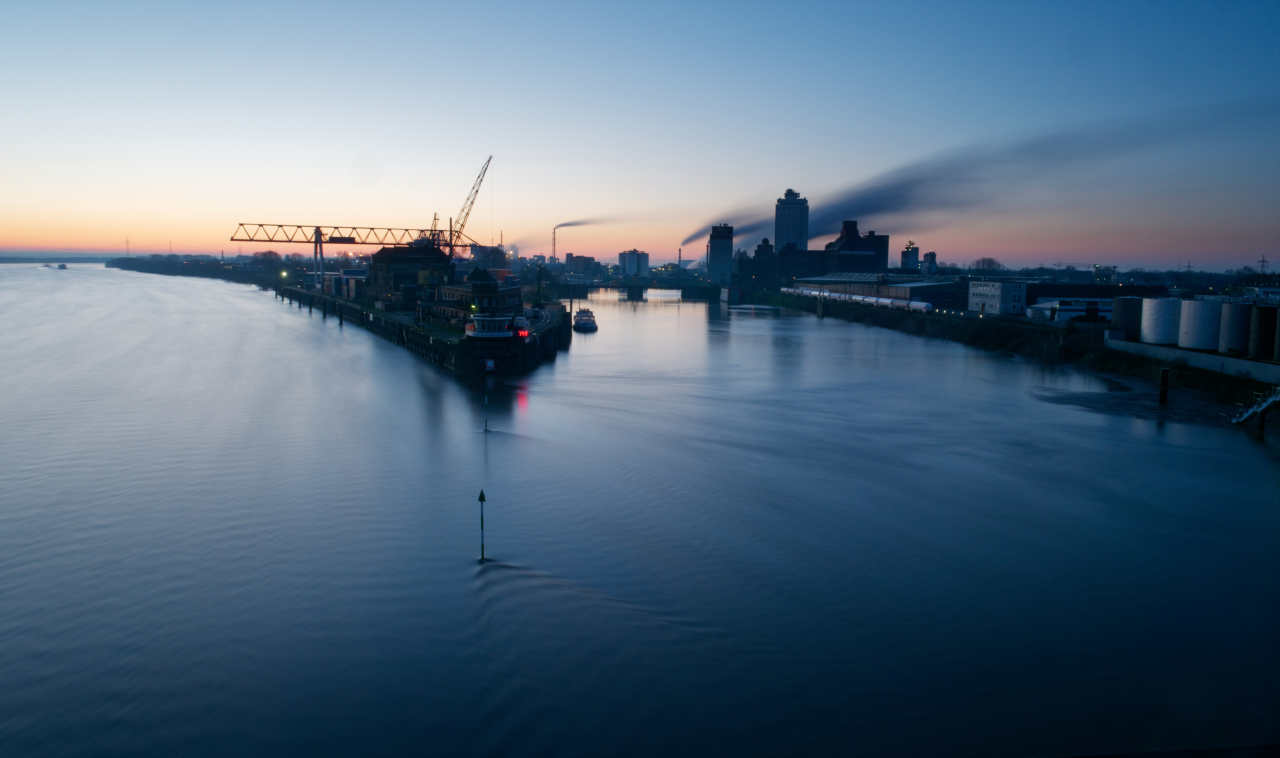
(1195, 395)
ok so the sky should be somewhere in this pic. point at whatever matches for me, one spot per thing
(169, 124)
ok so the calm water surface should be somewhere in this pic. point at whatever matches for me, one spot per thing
(228, 527)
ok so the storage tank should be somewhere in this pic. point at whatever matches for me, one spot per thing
(1262, 332)
(1126, 316)
(1160, 320)
(1200, 324)
(1233, 332)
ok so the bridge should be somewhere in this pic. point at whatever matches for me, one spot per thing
(692, 290)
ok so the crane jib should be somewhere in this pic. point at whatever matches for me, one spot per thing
(363, 235)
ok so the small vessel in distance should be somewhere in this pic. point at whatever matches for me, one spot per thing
(62, 266)
(584, 321)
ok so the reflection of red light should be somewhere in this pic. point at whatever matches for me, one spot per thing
(522, 401)
(523, 332)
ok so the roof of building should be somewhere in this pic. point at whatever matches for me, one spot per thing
(934, 282)
(897, 280)
(844, 278)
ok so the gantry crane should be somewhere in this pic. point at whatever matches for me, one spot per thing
(446, 240)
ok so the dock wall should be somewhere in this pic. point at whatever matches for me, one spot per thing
(455, 353)
(1263, 372)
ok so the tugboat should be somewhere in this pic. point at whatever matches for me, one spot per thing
(584, 321)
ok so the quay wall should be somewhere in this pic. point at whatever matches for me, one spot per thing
(1263, 372)
(465, 356)
(1083, 348)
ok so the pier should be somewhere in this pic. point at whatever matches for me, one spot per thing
(549, 331)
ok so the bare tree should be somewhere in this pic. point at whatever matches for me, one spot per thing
(987, 264)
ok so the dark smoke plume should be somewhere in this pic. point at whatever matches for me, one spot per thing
(580, 222)
(981, 174)
(583, 222)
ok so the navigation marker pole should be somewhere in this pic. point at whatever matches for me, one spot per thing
(482, 526)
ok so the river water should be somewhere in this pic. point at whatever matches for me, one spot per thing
(230, 527)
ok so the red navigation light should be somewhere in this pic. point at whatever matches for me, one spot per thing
(523, 332)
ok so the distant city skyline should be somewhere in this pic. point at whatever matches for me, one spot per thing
(162, 124)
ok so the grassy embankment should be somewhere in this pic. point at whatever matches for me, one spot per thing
(1035, 342)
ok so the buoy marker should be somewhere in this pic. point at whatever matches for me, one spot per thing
(482, 526)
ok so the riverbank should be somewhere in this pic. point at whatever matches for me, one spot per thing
(1078, 348)
(201, 269)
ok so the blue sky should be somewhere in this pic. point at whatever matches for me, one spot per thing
(175, 122)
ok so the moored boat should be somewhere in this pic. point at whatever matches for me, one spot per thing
(584, 321)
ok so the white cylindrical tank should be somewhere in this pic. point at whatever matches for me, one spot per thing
(1160, 318)
(1233, 335)
(1199, 324)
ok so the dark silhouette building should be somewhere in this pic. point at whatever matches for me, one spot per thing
(853, 252)
(482, 293)
(759, 271)
(393, 269)
(720, 255)
(794, 263)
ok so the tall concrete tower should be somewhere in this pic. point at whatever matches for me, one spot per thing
(911, 256)
(720, 255)
(791, 221)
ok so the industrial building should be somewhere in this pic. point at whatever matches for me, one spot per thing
(1003, 298)
(720, 255)
(348, 283)
(791, 221)
(633, 263)
(1218, 334)
(939, 292)
(854, 252)
(481, 290)
(1070, 310)
(580, 265)
(1259, 285)
(394, 273)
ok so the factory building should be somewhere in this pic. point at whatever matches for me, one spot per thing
(634, 263)
(348, 283)
(395, 270)
(482, 290)
(720, 255)
(1001, 298)
(764, 267)
(580, 265)
(854, 252)
(939, 292)
(791, 221)
(851, 252)
(1071, 310)
(797, 263)
(929, 266)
